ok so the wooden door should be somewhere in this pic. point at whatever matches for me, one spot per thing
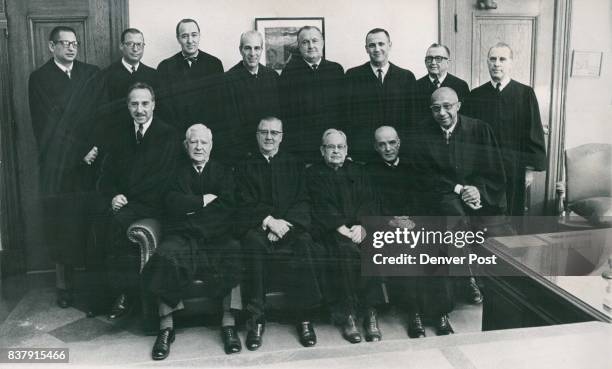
(98, 24)
(528, 27)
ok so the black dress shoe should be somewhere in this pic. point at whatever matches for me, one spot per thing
(161, 348)
(415, 326)
(307, 335)
(443, 326)
(231, 340)
(473, 294)
(350, 332)
(370, 324)
(64, 298)
(120, 307)
(254, 336)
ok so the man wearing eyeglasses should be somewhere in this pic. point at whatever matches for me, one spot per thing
(275, 224)
(52, 89)
(341, 193)
(437, 60)
(190, 81)
(512, 110)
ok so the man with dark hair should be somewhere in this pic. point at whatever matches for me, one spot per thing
(197, 242)
(251, 93)
(511, 109)
(378, 92)
(135, 177)
(311, 94)
(437, 60)
(341, 193)
(52, 89)
(189, 81)
(275, 220)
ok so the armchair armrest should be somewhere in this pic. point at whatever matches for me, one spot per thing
(147, 234)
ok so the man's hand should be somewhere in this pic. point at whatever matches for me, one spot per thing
(358, 234)
(118, 202)
(343, 230)
(91, 156)
(279, 226)
(528, 177)
(208, 198)
(470, 194)
(273, 237)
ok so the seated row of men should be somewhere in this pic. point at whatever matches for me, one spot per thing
(227, 226)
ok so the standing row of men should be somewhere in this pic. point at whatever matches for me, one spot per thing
(311, 95)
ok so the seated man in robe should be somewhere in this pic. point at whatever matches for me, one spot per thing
(197, 242)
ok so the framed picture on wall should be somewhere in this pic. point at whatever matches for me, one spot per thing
(280, 38)
(586, 63)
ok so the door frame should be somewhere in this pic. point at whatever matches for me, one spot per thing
(447, 20)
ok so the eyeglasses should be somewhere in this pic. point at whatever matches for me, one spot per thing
(438, 108)
(67, 44)
(137, 45)
(335, 147)
(438, 59)
(271, 133)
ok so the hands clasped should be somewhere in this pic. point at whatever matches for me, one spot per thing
(356, 233)
(471, 197)
(278, 228)
(118, 202)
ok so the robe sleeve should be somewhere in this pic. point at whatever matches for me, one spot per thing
(535, 147)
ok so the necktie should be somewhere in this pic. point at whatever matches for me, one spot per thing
(190, 60)
(436, 82)
(68, 73)
(199, 168)
(133, 69)
(447, 135)
(139, 134)
(380, 76)
(314, 67)
(498, 87)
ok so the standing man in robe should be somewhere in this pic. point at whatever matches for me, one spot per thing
(190, 81)
(52, 88)
(251, 93)
(341, 193)
(511, 109)
(311, 93)
(378, 92)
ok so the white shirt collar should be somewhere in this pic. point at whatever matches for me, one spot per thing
(269, 157)
(195, 166)
(145, 126)
(385, 69)
(128, 66)
(64, 68)
(504, 82)
(311, 64)
(441, 79)
(251, 72)
(450, 129)
(394, 164)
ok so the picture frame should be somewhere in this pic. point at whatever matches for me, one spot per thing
(280, 38)
(586, 63)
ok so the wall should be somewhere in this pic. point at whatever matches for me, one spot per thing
(413, 26)
(589, 100)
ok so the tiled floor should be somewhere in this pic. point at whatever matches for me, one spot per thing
(33, 320)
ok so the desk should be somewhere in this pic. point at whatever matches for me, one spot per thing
(546, 279)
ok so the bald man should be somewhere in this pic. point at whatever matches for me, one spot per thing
(197, 240)
(251, 93)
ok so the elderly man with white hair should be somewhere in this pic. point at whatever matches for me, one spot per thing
(197, 240)
(341, 194)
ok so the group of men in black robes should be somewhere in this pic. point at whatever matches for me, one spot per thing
(282, 212)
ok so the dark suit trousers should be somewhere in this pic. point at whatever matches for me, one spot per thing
(290, 264)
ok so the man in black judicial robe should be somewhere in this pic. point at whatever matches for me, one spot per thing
(52, 88)
(341, 193)
(378, 92)
(190, 82)
(437, 60)
(198, 240)
(275, 220)
(135, 177)
(251, 93)
(512, 111)
(311, 94)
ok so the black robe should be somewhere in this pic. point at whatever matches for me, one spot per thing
(471, 157)
(197, 240)
(395, 187)
(276, 188)
(514, 116)
(51, 95)
(247, 100)
(425, 88)
(312, 101)
(371, 105)
(190, 95)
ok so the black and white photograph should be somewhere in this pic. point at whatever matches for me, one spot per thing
(289, 184)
